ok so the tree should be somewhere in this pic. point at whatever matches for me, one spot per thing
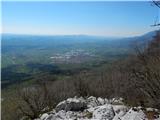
(147, 70)
(157, 4)
(35, 100)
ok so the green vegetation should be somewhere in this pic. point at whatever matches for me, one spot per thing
(24, 57)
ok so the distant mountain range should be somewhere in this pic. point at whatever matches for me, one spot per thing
(148, 35)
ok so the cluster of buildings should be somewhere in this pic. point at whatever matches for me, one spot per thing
(71, 56)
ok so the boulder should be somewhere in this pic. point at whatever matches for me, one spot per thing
(101, 101)
(120, 108)
(53, 117)
(134, 114)
(92, 102)
(72, 104)
(120, 111)
(104, 112)
(117, 101)
(44, 116)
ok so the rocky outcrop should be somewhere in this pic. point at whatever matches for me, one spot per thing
(93, 108)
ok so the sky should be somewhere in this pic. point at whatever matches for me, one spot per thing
(105, 18)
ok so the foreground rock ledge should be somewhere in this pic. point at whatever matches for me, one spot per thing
(93, 108)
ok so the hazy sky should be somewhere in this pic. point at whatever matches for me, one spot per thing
(91, 18)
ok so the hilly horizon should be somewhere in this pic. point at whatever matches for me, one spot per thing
(149, 33)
